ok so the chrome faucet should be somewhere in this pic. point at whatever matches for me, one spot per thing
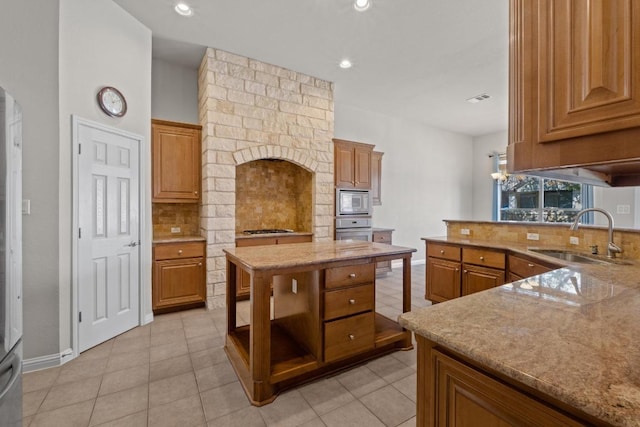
(612, 248)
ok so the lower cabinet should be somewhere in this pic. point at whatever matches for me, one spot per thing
(178, 276)
(242, 285)
(456, 393)
(382, 235)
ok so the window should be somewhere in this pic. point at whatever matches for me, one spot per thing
(535, 199)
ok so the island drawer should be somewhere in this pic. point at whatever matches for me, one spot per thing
(178, 250)
(349, 336)
(449, 252)
(338, 277)
(524, 267)
(484, 257)
(348, 301)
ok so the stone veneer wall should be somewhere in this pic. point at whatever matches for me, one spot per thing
(252, 110)
(555, 235)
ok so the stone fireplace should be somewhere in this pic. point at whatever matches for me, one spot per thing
(258, 119)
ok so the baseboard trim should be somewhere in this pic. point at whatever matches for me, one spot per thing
(397, 263)
(148, 319)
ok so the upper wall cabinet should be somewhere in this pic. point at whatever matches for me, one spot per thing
(376, 178)
(177, 160)
(352, 164)
(575, 87)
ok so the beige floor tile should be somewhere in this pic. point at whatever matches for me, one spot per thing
(215, 376)
(389, 368)
(360, 381)
(139, 419)
(38, 380)
(70, 393)
(353, 414)
(390, 406)
(31, 401)
(325, 395)
(185, 412)
(123, 379)
(409, 357)
(120, 404)
(223, 400)
(98, 352)
(80, 370)
(197, 331)
(288, 410)
(68, 416)
(127, 360)
(128, 345)
(138, 332)
(166, 325)
(170, 367)
(203, 342)
(170, 336)
(316, 422)
(167, 351)
(173, 388)
(409, 423)
(210, 357)
(408, 386)
(247, 417)
(26, 421)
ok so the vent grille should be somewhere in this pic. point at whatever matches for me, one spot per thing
(478, 98)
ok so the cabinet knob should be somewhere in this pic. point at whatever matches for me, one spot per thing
(352, 301)
(457, 269)
(352, 337)
(531, 266)
(441, 251)
(179, 251)
(466, 271)
(199, 264)
(352, 275)
(195, 192)
(481, 258)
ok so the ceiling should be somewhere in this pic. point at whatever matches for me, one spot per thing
(417, 60)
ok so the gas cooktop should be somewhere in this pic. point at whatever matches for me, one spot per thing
(268, 231)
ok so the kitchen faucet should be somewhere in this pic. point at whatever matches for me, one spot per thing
(612, 248)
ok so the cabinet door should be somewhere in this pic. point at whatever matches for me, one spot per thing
(464, 397)
(344, 164)
(443, 280)
(178, 282)
(376, 178)
(476, 279)
(382, 267)
(176, 163)
(362, 167)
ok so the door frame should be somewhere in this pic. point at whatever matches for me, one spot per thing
(145, 315)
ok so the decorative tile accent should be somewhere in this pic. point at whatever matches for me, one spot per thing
(168, 215)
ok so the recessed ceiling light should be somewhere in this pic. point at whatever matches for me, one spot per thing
(361, 5)
(478, 98)
(345, 63)
(183, 9)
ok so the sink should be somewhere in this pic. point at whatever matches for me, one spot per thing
(568, 256)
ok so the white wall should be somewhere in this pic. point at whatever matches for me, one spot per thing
(174, 92)
(482, 167)
(610, 199)
(101, 45)
(29, 72)
(426, 173)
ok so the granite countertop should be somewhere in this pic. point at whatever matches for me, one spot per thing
(177, 239)
(299, 254)
(258, 236)
(572, 333)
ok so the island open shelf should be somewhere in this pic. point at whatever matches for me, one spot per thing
(324, 317)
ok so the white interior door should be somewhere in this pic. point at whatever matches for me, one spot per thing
(108, 254)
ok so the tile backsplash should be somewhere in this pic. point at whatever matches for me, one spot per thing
(185, 216)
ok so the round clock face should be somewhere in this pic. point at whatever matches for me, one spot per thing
(112, 101)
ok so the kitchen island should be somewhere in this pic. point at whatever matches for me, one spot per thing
(323, 316)
(559, 348)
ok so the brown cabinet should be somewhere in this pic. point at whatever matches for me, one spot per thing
(242, 283)
(352, 164)
(521, 267)
(574, 87)
(453, 270)
(349, 320)
(177, 162)
(376, 178)
(383, 236)
(178, 276)
(452, 392)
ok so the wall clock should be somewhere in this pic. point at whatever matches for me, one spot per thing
(112, 101)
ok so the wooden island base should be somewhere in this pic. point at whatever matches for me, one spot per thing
(323, 319)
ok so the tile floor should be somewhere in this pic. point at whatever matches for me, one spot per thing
(174, 372)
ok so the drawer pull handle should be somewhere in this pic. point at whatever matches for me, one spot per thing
(352, 337)
(442, 251)
(531, 265)
(352, 301)
(179, 251)
(352, 275)
(481, 258)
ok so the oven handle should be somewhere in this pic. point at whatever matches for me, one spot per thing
(13, 362)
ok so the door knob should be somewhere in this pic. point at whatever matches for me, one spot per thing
(133, 244)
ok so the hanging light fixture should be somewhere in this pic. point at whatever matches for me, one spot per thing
(361, 5)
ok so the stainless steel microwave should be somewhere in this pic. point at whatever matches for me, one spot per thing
(353, 202)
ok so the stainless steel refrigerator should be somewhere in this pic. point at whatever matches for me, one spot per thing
(10, 261)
